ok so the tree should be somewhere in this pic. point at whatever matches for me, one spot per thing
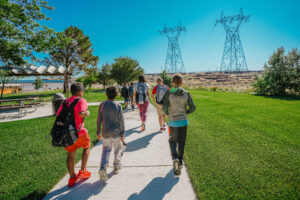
(125, 69)
(5, 78)
(89, 78)
(20, 33)
(104, 75)
(75, 53)
(38, 83)
(281, 75)
(166, 78)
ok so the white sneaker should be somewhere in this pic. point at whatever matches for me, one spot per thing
(103, 174)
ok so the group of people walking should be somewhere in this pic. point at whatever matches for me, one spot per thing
(175, 102)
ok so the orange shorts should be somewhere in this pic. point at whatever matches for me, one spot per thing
(83, 141)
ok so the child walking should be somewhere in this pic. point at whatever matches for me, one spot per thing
(177, 104)
(110, 128)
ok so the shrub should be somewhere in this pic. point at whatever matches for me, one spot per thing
(281, 75)
(213, 89)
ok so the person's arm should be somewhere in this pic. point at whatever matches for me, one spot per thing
(191, 105)
(99, 122)
(166, 104)
(83, 108)
(121, 123)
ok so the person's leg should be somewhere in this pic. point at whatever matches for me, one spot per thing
(117, 154)
(181, 142)
(145, 109)
(86, 151)
(173, 138)
(107, 147)
(164, 120)
(85, 157)
(140, 107)
(160, 121)
(71, 164)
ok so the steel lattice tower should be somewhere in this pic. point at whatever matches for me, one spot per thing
(233, 55)
(174, 62)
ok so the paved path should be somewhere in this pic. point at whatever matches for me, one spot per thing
(146, 174)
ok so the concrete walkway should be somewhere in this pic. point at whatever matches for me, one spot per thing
(146, 174)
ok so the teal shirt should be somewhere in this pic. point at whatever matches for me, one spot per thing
(178, 123)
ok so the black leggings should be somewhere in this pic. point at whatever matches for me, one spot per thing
(177, 139)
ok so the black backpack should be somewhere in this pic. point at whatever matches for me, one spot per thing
(64, 132)
(125, 92)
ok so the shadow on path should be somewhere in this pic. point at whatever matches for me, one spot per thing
(157, 188)
(80, 191)
(140, 143)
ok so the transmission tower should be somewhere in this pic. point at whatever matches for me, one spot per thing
(233, 55)
(174, 62)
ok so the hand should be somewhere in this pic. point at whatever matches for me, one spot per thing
(99, 137)
(122, 139)
(87, 113)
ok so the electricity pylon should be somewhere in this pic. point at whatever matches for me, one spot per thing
(174, 62)
(233, 55)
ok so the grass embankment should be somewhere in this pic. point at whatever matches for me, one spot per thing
(29, 165)
(242, 146)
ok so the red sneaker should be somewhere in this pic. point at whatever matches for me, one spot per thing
(72, 181)
(84, 174)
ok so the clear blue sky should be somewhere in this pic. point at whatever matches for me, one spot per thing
(130, 28)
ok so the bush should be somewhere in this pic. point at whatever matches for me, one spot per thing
(213, 89)
(281, 75)
(166, 78)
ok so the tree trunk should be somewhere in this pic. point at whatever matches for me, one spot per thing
(66, 84)
(3, 84)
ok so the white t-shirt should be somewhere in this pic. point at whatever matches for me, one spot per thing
(147, 88)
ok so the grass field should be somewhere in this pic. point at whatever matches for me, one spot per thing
(239, 146)
(92, 96)
(242, 146)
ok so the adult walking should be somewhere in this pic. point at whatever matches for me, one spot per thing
(160, 90)
(141, 98)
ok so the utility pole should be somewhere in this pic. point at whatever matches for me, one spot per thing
(233, 59)
(174, 62)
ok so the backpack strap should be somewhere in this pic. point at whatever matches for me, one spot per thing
(72, 105)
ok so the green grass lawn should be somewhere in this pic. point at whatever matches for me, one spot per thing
(239, 146)
(91, 96)
(29, 165)
(242, 146)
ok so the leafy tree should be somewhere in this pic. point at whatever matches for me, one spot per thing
(89, 78)
(104, 75)
(38, 83)
(21, 34)
(166, 78)
(281, 75)
(125, 69)
(5, 78)
(75, 53)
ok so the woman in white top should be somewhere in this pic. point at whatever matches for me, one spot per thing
(141, 98)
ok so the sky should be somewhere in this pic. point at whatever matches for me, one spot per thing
(130, 28)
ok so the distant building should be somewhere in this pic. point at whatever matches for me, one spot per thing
(28, 85)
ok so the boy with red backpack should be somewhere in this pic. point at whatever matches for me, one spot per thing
(160, 90)
(80, 110)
